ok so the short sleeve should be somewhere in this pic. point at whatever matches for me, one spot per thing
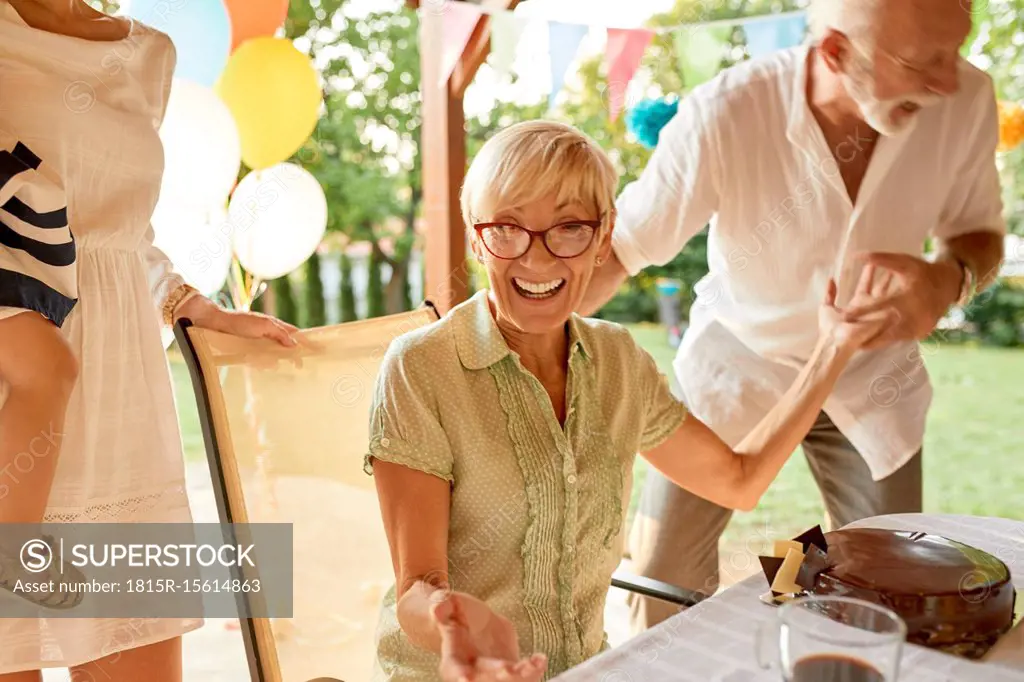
(974, 203)
(663, 411)
(405, 425)
(675, 196)
(37, 250)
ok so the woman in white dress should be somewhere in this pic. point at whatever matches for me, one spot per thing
(82, 96)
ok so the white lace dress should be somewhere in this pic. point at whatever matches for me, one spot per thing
(91, 111)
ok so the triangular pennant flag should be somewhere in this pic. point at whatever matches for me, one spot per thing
(765, 36)
(506, 29)
(622, 56)
(457, 26)
(700, 51)
(563, 42)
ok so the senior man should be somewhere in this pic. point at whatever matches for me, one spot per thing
(811, 162)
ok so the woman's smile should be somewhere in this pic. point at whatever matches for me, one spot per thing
(538, 290)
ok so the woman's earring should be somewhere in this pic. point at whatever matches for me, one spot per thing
(599, 262)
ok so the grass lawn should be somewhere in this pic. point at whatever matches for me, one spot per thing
(973, 463)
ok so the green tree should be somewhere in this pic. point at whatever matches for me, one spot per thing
(406, 295)
(998, 315)
(366, 149)
(997, 45)
(347, 296)
(315, 308)
(374, 286)
(284, 300)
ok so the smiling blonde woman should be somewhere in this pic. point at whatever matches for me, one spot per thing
(503, 436)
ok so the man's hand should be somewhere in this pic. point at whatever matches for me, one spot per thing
(852, 333)
(919, 295)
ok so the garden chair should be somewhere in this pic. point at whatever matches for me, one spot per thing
(285, 433)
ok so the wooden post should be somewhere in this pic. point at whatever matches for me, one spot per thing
(444, 161)
(444, 152)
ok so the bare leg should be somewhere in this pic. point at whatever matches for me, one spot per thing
(39, 371)
(159, 662)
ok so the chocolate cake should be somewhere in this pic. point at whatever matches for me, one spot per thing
(952, 597)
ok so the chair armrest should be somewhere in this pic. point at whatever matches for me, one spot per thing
(649, 587)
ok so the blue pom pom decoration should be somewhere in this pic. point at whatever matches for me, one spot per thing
(647, 118)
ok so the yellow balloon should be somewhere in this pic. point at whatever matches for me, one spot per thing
(274, 94)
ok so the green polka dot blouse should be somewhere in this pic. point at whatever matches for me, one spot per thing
(537, 510)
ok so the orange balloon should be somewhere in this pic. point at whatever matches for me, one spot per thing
(254, 18)
(1011, 126)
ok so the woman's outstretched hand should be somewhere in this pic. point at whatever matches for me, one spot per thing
(854, 334)
(478, 645)
(206, 314)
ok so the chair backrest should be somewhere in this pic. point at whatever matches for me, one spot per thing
(285, 432)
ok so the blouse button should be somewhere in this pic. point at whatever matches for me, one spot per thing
(385, 442)
(571, 478)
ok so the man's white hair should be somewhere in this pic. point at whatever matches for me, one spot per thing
(854, 18)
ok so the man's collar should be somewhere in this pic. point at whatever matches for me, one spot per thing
(800, 120)
(479, 341)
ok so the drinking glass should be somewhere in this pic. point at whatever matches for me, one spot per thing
(832, 639)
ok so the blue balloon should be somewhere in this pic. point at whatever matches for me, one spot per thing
(647, 118)
(199, 29)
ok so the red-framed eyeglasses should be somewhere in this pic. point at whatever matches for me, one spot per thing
(509, 241)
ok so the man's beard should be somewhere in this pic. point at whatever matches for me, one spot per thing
(878, 113)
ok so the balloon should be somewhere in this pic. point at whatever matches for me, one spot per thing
(197, 242)
(274, 93)
(277, 218)
(254, 18)
(199, 29)
(1011, 126)
(202, 152)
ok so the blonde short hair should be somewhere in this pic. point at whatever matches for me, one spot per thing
(528, 161)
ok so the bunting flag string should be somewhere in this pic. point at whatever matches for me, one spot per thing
(563, 43)
(506, 30)
(700, 53)
(736, 21)
(767, 36)
(700, 47)
(623, 55)
(458, 22)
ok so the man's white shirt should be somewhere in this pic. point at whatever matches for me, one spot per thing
(745, 154)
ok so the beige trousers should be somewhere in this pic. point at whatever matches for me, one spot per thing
(674, 537)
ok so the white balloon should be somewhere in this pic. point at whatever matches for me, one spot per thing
(277, 216)
(202, 149)
(196, 241)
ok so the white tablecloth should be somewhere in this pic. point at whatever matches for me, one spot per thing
(714, 641)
